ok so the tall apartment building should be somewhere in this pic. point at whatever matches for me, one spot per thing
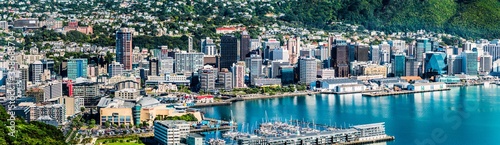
(308, 70)
(229, 51)
(188, 62)
(238, 70)
(56, 112)
(124, 48)
(225, 79)
(77, 68)
(207, 78)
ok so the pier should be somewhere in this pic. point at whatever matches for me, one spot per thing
(379, 94)
(383, 139)
(222, 128)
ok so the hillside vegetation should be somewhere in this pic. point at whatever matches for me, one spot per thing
(467, 18)
(33, 133)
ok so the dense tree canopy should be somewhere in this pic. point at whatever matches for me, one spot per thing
(33, 133)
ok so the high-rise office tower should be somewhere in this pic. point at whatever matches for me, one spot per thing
(469, 63)
(229, 51)
(340, 58)
(293, 46)
(454, 64)
(287, 75)
(77, 68)
(375, 54)
(493, 50)
(124, 48)
(412, 66)
(423, 45)
(208, 47)
(255, 67)
(398, 65)
(244, 45)
(485, 64)
(361, 52)
(397, 46)
(308, 70)
(167, 66)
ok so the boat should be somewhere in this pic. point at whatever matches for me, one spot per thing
(216, 142)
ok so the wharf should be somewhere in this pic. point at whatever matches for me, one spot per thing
(355, 92)
(378, 94)
(222, 128)
(375, 140)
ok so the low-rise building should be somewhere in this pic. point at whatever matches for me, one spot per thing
(427, 86)
(169, 132)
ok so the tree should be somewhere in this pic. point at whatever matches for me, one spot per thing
(82, 109)
(92, 123)
(107, 124)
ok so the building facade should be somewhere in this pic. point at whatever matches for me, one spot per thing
(77, 68)
(229, 51)
(124, 50)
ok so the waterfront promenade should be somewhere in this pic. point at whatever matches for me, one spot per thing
(254, 97)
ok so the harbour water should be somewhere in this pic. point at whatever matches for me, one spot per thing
(462, 115)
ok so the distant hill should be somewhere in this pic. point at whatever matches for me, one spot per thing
(467, 18)
(34, 133)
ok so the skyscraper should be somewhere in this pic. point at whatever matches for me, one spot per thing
(361, 52)
(255, 67)
(469, 63)
(454, 64)
(229, 51)
(399, 65)
(485, 64)
(244, 45)
(77, 68)
(375, 54)
(124, 48)
(412, 66)
(423, 45)
(287, 75)
(340, 58)
(238, 70)
(308, 70)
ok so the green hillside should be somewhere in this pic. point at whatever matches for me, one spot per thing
(468, 18)
(34, 133)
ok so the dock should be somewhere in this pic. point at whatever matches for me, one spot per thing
(379, 94)
(222, 128)
(384, 139)
(355, 92)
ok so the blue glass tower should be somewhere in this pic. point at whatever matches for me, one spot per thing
(399, 65)
(287, 75)
(77, 68)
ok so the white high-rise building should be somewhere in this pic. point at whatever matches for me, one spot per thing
(308, 70)
(485, 64)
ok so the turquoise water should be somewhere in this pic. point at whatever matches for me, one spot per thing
(461, 116)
